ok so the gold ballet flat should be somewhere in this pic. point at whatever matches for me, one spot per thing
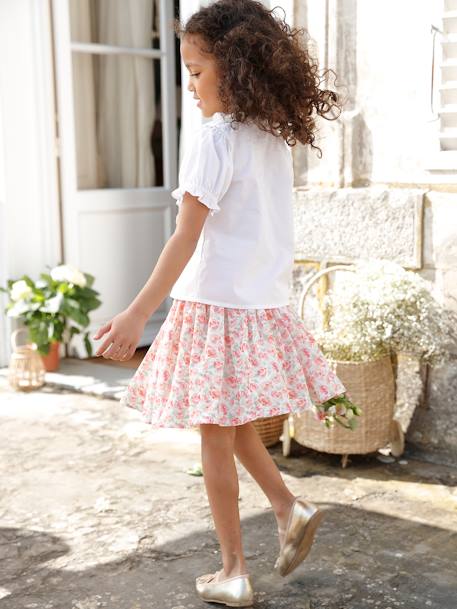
(234, 592)
(304, 518)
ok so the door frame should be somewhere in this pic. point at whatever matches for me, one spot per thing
(155, 197)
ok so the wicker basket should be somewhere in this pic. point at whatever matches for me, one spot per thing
(370, 385)
(270, 428)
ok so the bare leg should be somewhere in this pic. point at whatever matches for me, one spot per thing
(221, 482)
(251, 452)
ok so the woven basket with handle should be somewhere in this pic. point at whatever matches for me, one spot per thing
(26, 370)
(370, 385)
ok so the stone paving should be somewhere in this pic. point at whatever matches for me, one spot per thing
(98, 510)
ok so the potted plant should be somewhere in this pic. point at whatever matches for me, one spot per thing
(54, 308)
(378, 312)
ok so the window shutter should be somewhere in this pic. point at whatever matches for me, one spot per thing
(448, 89)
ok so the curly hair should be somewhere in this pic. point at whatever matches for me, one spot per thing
(267, 74)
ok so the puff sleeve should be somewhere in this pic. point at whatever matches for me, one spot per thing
(207, 167)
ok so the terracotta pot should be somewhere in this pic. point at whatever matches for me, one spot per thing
(51, 361)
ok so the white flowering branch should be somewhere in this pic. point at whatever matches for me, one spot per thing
(384, 308)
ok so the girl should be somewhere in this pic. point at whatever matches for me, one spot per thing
(232, 349)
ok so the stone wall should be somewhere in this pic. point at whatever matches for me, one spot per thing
(373, 193)
(424, 224)
(434, 425)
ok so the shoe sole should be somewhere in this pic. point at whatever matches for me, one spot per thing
(305, 542)
(246, 604)
(236, 603)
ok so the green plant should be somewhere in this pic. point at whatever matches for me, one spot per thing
(55, 307)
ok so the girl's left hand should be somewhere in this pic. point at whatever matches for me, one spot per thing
(124, 333)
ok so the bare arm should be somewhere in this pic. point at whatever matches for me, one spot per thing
(125, 329)
(173, 258)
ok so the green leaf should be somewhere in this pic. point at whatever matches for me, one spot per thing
(72, 302)
(39, 334)
(88, 344)
(90, 279)
(80, 318)
(28, 281)
(64, 288)
(86, 293)
(75, 314)
(195, 470)
(43, 348)
(92, 304)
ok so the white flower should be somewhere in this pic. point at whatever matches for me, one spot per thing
(18, 309)
(66, 272)
(20, 290)
(332, 409)
(381, 308)
(53, 304)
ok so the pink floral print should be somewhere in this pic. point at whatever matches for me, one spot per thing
(223, 365)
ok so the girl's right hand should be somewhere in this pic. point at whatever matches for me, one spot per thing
(124, 333)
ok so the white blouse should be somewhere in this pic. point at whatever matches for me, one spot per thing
(245, 252)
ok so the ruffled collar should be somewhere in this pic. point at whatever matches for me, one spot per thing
(221, 117)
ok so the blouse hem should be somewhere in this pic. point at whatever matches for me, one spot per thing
(230, 305)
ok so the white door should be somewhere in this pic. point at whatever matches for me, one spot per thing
(116, 99)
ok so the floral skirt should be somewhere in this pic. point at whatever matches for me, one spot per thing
(228, 366)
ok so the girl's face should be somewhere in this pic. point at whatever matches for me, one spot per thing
(203, 77)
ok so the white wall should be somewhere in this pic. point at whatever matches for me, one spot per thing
(393, 86)
(29, 229)
(382, 54)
